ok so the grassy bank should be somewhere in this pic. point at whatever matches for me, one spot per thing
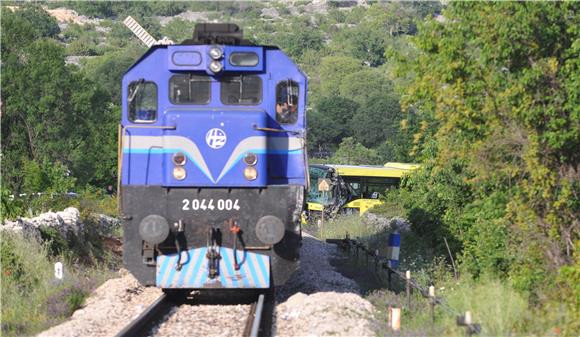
(32, 298)
(495, 304)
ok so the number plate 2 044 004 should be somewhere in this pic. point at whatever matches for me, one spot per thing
(210, 204)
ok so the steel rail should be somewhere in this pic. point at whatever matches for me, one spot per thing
(254, 318)
(141, 325)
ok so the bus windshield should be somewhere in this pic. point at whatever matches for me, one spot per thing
(314, 195)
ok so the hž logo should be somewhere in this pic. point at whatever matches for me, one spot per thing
(216, 138)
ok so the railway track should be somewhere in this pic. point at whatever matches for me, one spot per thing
(166, 306)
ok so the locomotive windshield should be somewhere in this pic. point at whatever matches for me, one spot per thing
(142, 101)
(241, 90)
(287, 102)
(189, 89)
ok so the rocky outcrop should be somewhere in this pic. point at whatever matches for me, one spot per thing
(395, 223)
(66, 223)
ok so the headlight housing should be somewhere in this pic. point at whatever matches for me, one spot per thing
(216, 66)
(216, 53)
(250, 159)
(179, 173)
(179, 158)
(250, 173)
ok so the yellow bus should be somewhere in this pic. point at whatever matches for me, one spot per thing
(349, 189)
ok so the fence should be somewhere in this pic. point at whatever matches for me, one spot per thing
(381, 262)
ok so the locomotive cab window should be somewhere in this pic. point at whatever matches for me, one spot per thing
(241, 90)
(189, 89)
(142, 101)
(287, 102)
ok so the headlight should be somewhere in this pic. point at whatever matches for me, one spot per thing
(179, 159)
(250, 173)
(215, 53)
(154, 229)
(216, 66)
(250, 159)
(179, 173)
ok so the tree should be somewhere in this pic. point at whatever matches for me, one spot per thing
(333, 69)
(50, 114)
(328, 124)
(361, 85)
(497, 84)
(44, 24)
(377, 120)
(352, 153)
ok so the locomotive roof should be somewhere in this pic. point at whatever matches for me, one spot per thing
(159, 46)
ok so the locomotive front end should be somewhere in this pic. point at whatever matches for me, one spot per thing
(213, 163)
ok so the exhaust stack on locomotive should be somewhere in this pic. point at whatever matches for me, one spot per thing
(212, 162)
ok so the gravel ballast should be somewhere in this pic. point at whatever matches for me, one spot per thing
(316, 301)
(108, 309)
(323, 302)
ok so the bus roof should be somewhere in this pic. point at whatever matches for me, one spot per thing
(403, 166)
(392, 171)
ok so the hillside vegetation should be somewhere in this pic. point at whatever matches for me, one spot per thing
(483, 95)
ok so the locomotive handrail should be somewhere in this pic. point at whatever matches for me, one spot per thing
(163, 127)
(122, 134)
(276, 130)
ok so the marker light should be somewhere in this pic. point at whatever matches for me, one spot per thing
(179, 159)
(179, 173)
(216, 66)
(250, 159)
(250, 173)
(215, 53)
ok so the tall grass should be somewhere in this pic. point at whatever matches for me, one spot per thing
(338, 227)
(32, 299)
(493, 302)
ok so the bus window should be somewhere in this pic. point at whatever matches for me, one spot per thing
(374, 185)
(355, 186)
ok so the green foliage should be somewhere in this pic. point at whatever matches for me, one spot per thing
(54, 242)
(84, 46)
(51, 114)
(10, 207)
(95, 201)
(329, 123)
(499, 131)
(177, 30)
(44, 24)
(494, 304)
(333, 69)
(32, 300)
(377, 120)
(352, 153)
(51, 178)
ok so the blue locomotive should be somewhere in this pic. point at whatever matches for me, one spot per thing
(212, 163)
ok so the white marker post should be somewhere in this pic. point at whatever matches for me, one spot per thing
(58, 271)
(396, 319)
